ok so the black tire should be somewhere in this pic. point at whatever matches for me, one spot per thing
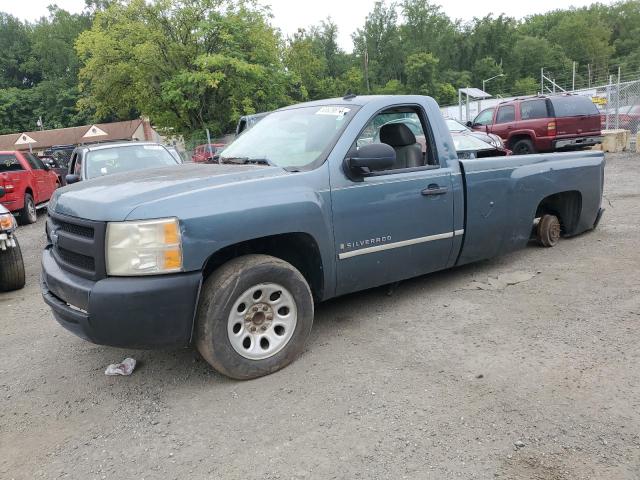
(218, 296)
(548, 231)
(28, 214)
(523, 146)
(11, 269)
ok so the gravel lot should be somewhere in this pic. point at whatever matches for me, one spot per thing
(537, 380)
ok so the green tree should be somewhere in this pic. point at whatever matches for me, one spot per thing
(421, 70)
(526, 86)
(530, 54)
(486, 68)
(187, 64)
(447, 94)
(15, 52)
(378, 45)
(427, 28)
(585, 38)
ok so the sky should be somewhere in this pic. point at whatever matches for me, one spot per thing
(349, 15)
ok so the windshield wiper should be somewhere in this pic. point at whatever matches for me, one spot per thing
(247, 161)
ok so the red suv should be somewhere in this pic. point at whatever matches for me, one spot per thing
(542, 124)
(27, 182)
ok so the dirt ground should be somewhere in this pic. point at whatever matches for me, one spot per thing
(537, 380)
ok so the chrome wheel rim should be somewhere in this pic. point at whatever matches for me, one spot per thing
(262, 321)
(31, 208)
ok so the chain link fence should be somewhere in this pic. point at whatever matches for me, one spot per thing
(620, 106)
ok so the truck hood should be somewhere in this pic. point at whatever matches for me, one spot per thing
(114, 197)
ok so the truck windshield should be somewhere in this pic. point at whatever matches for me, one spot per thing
(292, 139)
(126, 158)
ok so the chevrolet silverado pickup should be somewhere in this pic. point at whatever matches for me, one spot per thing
(232, 257)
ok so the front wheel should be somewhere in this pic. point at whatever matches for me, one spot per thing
(254, 316)
(11, 269)
(28, 214)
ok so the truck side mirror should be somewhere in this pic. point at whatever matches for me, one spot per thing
(71, 178)
(370, 158)
(470, 124)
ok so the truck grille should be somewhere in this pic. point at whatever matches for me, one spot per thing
(80, 230)
(77, 245)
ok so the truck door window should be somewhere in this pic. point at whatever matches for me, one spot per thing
(485, 117)
(533, 109)
(402, 129)
(35, 162)
(506, 114)
(77, 166)
(9, 163)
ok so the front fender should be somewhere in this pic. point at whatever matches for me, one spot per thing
(213, 219)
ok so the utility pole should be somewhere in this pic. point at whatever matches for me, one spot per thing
(573, 84)
(209, 144)
(589, 68)
(618, 101)
(366, 68)
(542, 81)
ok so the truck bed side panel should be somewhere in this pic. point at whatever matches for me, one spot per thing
(503, 195)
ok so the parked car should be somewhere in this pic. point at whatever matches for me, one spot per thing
(173, 150)
(28, 184)
(11, 264)
(92, 161)
(469, 147)
(55, 167)
(455, 127)
(232, 258)
(628, 118)
(542, 123)
(248, 121)
(61, 153)
(206, 153)
(469, 144)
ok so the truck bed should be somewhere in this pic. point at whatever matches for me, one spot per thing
(503, 196)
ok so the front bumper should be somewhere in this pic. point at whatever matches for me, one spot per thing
(577, 142)
(133, 312)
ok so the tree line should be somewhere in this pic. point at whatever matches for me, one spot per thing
(195, 64)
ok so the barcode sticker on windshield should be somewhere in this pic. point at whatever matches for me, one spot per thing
(152, 147)
(335, 111)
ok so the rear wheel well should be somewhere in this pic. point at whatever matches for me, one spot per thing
(520, 136)
(567, 206)
(298, 249)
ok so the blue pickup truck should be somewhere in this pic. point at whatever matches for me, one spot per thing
(316, 200)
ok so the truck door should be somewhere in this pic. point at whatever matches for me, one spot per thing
(39, 178)
(505, 121)
(397, 223)
(484, 121)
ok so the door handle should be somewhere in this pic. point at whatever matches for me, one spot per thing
(434, 189)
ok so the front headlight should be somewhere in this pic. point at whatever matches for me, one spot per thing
(497, 141)
(147, 247)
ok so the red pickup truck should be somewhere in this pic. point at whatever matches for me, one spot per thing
(27, 182)
(542, 124)
(205, 153)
